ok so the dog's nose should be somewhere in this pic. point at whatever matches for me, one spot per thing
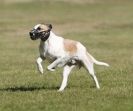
(31, 33)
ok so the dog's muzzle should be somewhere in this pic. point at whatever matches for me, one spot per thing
(34, 35)
(44, 35)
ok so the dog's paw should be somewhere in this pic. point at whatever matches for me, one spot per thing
(40, 69)
(41, 72)
(51, 69)
(60, 90)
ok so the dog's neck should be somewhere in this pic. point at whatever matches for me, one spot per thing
(51, 34)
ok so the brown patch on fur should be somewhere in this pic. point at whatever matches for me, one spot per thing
(70, 46)
(43, 27)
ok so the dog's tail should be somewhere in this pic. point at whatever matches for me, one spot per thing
(97, 62)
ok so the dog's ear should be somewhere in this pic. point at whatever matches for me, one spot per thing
(49, 26)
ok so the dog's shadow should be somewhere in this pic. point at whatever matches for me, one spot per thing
(30, 88)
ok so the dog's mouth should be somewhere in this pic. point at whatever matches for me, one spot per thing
(43, 35)
(33, 35)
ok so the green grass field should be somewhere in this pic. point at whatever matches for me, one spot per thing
(105, 27)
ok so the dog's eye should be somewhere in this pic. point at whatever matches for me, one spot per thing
(38, 28)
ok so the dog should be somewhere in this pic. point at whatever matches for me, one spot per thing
(63, 53)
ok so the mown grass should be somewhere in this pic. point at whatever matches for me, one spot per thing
(104, 27)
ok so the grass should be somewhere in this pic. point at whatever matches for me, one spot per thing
(103, 26)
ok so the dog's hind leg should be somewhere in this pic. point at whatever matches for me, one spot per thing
(66, 72)
(89, 66)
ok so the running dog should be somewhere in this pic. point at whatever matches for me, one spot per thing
(63, 53)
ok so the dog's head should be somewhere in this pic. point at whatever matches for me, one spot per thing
(40, 31)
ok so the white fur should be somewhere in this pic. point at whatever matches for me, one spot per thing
(54, 48)
(36, 26)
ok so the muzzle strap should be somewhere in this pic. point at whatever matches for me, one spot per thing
(45, 35)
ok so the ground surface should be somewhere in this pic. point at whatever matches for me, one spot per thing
(105, 27)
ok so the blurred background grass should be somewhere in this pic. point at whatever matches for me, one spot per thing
(103, 26)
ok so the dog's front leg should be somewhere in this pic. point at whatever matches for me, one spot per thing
(54, 64)
(60, 62)
(39, 64)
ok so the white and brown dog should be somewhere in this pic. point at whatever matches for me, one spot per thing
(63, 53)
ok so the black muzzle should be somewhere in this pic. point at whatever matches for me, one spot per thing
(43, 35)
(34, 35)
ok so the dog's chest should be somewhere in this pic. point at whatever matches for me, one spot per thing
(48, 51)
